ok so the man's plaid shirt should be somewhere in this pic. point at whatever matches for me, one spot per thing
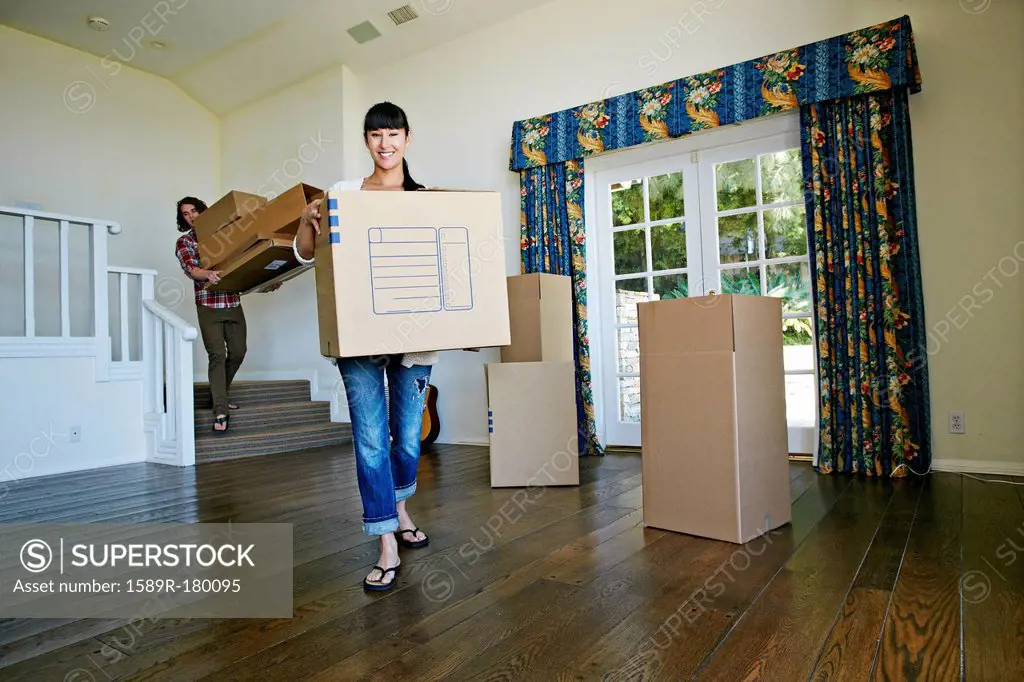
(187, 251)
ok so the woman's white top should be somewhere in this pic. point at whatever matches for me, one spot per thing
(408, 359)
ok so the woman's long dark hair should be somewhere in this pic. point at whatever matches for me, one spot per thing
(183, 225)
(386, 115)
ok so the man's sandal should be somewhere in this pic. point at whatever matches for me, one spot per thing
(379, 585)
(411, 544)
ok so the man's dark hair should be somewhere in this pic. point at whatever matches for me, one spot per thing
(183, 225)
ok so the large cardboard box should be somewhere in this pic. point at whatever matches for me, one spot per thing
(713, 430)
(254, 219)
(402, 272)
(540, 315)
(268, 262)
(531, 415)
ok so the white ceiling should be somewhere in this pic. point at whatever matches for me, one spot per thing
(229, 53)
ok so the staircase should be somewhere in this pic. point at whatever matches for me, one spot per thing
(272, 417)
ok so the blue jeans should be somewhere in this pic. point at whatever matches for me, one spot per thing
(385, 471)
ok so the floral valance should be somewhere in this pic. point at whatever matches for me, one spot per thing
(875, 58)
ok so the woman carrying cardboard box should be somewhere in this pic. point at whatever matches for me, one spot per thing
(386, 473)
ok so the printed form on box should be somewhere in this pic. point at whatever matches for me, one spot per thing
(420, 269)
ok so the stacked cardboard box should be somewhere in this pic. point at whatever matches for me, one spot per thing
(248, 239)
(713, 400)
(531, 393)
(407, 272)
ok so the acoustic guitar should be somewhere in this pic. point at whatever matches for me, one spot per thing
(431, 422)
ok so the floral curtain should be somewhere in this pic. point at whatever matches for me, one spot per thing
(867, 285)
(551, 217)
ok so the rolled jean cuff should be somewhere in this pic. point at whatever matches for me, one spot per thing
(381, 527)
(406, 492)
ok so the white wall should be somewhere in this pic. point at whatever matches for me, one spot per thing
(35, 425)
(80, 140)
(463, 97)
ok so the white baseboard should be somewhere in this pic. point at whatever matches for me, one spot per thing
(970, 466)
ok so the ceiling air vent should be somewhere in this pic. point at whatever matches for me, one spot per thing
(402, 14)
(364, 32)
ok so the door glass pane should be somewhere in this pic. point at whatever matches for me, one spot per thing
(627, 293)
(785, 232)
(629, 399)
(800, 400)
(629, 350)
(666, 192)
(782, 177)
(630, 251)
(798, 337)
(627, 203)
(671, 286)
(737, 238)
(668, 246)
(791, 282)
(735, 184)
(741, 281)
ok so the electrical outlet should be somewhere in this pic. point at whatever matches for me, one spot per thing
(76, 434)
(957, 422)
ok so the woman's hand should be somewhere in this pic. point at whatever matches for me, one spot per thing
(311, 215)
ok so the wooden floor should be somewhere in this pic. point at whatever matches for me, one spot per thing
(916, 579)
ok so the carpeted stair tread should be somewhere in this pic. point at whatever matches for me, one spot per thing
(266, 415)
(271, 441)
(254, 396)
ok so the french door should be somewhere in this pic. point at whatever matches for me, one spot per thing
(725, 219)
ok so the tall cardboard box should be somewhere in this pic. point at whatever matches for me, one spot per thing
(403, 272)
(531, 415)
(540, 316)
(713, 430)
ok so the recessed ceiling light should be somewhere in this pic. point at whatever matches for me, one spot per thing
(98, 23)
(158, 45)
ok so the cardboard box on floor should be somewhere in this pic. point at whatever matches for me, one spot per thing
(402, 272)
(713, 400)
(540, 316)
(239, 220)
(531, 414)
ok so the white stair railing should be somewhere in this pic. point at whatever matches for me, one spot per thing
(165, 367)
(162, 358)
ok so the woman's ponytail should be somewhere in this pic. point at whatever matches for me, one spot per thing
(409, 185)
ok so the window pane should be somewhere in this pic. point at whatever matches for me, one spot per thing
(800, 400)
(627, 203)
(668, 246)
(629, 350)
(666, 196)
(630, 251)
(671, 286)
(735, 182)
(629, 399)
(737, 238)
(785, 232)
(798, 336)
(628, 292)
(782, 177)
(791, 282)
(741, 281)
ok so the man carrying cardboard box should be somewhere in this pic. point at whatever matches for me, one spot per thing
(221, 319)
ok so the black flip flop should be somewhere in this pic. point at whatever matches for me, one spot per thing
(377, 586)
(411, 544)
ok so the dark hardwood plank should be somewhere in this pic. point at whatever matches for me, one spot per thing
(992, 583)
(921, 638)
(790, 619)
(849, 653)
